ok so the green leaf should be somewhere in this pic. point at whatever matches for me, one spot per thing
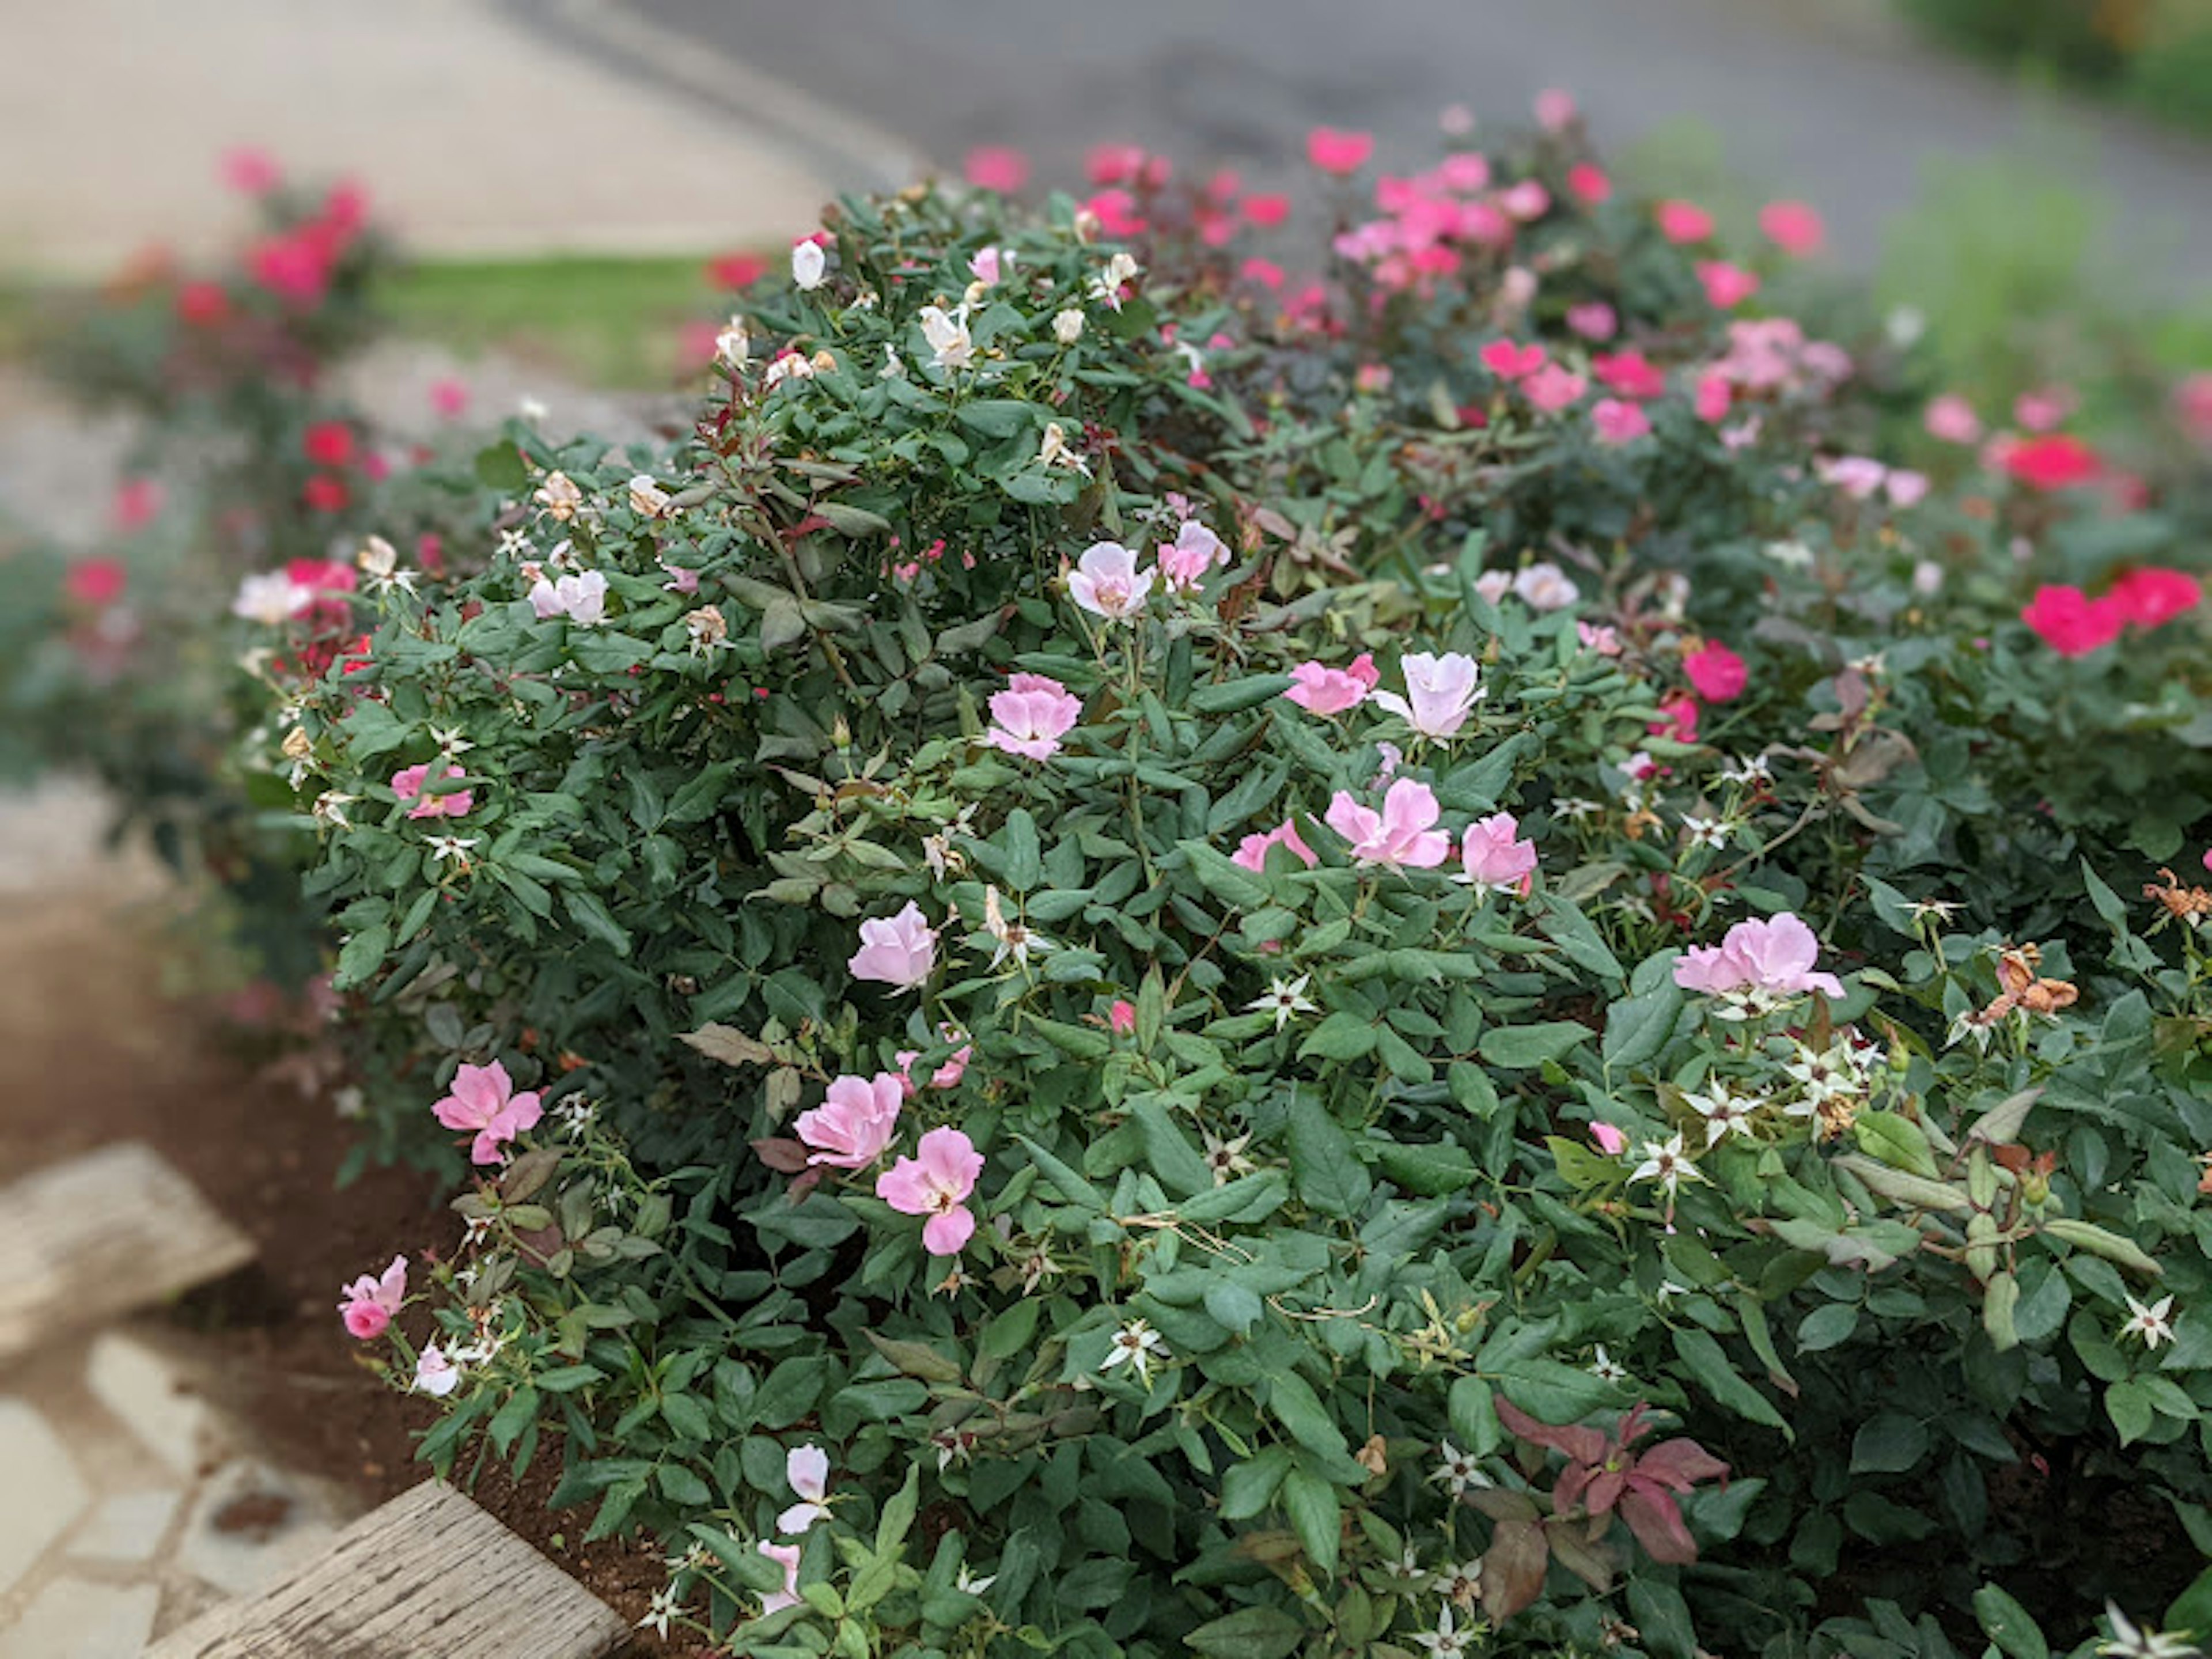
(2094, 1239)
(1294, 1405)
(1233, 1307)
(1527, 1047)
(1709, 1366)
(1234, 696)
(1826, 1327)
(1316, 1516)
(361, 955)
(1025, 857)
(589, 914)
(1661, 1617)
(520, 1412)
(685, 1414)
(1226, 880)
(2191, 1610)
(1342, 1035)
(1548, 1390)
(1173, 1158)
(1330, 1177)
(1635, 1028)
(2009, 1624)
(500, 467)
(1889, 1443)
(1072, 1186)
(1248, 1633)
(2127, 1402)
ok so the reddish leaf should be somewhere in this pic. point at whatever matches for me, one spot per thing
(1605, 1490)
(1679, 1464)
(1513, 1568)
(1569, 1492)
(784, 1156)
(1581, 1446)
(1657, 1524)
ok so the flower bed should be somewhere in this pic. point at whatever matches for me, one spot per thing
(1151, 957)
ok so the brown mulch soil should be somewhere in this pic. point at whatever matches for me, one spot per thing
(102, 1051)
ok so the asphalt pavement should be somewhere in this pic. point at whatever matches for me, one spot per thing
(1830, 100)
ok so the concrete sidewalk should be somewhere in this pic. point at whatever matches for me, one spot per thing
(473, 132)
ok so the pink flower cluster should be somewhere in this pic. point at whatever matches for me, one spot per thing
(1775, 955)
(2073, 624)
(1426, 223)
(372, 1302)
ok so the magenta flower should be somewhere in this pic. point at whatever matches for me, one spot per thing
(1252, 852)
(1440, 691)
(900, 951)
(937, 1184)
(2153, 595)
(856, 1119)
(1509, 361)
(1795, 227)
(1107, 583)
(1320, 690)
(1717, 672)
(407, 785)
(1033, 713)
(1773, 955)
(1619, 421)
(483, 1100)
(370, 1304)
(1122, 1018)
(1184, 561)
(1683, 222)
(1494, 856)
(1402, 836)
(1339, 153)
(1726, 286)
(2072, 624)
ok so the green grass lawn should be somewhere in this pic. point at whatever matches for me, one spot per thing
(605, 321)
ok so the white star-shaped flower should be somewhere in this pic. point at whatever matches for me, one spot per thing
(1285, 999)
(2153, 1323)
(1137, 1346)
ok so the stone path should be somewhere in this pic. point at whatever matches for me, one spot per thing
(133, 1504)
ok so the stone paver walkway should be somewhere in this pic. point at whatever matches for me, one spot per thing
(132, 1503)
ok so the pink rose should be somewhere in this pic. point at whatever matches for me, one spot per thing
(371, 1303)
(407, 785)
(483, 1100)
(1774, 955)
(1339, 153)
(1031, 716)
(1320, 690)
(1795, 227)
(899, 951)
(1683, 222)
(1951, 419)
(1727, 285)
(1717, 672)
(937, 1184)
(1618, 422)
(1551, 388)
(1403, 834)
(1493, 854)
(855, 1121)
(1251, 853)
(1184, 561)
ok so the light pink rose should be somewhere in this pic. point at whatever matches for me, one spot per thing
(856, 1121)
(807, 1470)
(483, 1100)
(1493, 854)
(1609, 1140)
(407, 785)
(787, 1557)
(1951, 419)
(1107, 583)
(371, 1303)
(1033, 713)
(937, 1184)
(1184, 561)
(1321, 690)
(1619, 421)
(1440, 691)
(1402, 836)
(1252, 852)
(1775, 954)
(1551, 388)
(435, 1374)
(899, 951)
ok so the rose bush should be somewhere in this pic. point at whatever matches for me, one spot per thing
(1147, 958)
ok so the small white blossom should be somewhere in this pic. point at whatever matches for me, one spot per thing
(1106, 288)
(1052, 450)
(1012, 938)
(456, 847)
(1791, 555)
(1067, 326)
(560, 496)
(1225, 1159)
(1607, 1368)
(1545, 586)
(1137, 1346)
(807, 264)
(1457, 1470)
(330, 808)
(1725, 1112)
(1706, 832)
(969, 1585)
(949, 343)
(647, 498)
(733, 347)
(1445, 1641)
(2154, 1323)
(1665, 1163)
(1752, 774)
(664, 1607)
(1285, 999)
